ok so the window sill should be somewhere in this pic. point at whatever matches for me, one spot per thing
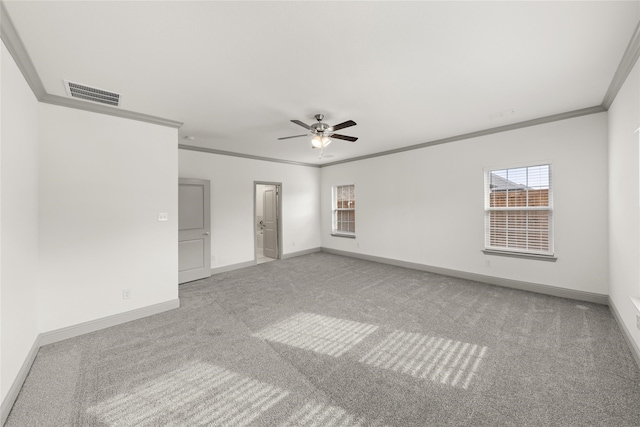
(348, 236)
(520, 255)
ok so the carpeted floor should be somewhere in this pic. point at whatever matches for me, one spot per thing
(324, 340)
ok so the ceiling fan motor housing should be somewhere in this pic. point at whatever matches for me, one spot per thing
(319, 128)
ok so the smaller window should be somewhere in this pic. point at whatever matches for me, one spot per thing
(344, 210)
(519, 210)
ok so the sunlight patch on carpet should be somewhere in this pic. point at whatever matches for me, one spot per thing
(321, 334)
(320, 414)
(197, 394)
(440, 360)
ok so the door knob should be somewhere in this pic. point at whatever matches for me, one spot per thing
(206, 233)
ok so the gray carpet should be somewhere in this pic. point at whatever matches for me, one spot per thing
(324, 340)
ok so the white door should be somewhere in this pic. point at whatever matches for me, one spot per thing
(270, 213)
(194, 230)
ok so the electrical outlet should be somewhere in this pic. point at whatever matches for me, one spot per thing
(163, 216)
(357, 244)
(487, 263)
(293, 244)
(126, 294)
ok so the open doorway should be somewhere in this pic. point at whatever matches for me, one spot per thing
(267, 221)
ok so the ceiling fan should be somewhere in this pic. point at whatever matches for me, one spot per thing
(322, 132)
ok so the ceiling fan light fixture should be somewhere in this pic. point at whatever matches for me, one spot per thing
(320, 141)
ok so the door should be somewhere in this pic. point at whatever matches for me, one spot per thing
(270, 213)
(194, 230)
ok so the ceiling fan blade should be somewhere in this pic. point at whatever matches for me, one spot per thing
(295, 136)
(304, 125)
(342, 125)
(345, 137)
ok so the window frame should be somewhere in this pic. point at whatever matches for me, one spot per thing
(335, 209)
(489, 249)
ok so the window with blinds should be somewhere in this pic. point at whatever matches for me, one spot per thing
(518, 210)
(344, 209)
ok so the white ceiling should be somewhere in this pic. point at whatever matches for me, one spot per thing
(236, 73)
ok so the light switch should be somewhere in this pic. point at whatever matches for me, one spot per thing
(163, 216)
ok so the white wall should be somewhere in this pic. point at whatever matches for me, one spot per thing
(624, 201)
(426, 206)
(232, 198)
(103, 180)
(18, 220)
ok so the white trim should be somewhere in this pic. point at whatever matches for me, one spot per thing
(106, 322)
(628, 61)
(633, 347)
(534, 122)
(108, 110)
(16, 48)
(491, 280)
(343, 234)
(244, 156)
(16, 386)
(517, 254)
(518, 165)
(232, 267)
(19, 54)
(70, 332)
(300, 253)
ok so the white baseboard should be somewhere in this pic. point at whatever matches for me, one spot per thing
(14, 390)
(106, 322)
(232, 267)
(246, 264)
(635, 351)
(70, 332)
(300, 253)
(507, 283)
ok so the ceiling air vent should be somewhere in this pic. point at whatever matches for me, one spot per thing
(101, 96)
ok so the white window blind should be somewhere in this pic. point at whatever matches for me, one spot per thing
(519, 210)
(344, 209)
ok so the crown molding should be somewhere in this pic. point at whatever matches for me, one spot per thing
(628, 61)
(245, 156)
(15, 47)
(105, 109)
(484, 132)
(20, 55)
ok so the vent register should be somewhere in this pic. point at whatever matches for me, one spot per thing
(88, 93)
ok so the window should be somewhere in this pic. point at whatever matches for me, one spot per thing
(518, 210)
(344, 210)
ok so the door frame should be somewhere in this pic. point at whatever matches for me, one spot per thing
(278, 213)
